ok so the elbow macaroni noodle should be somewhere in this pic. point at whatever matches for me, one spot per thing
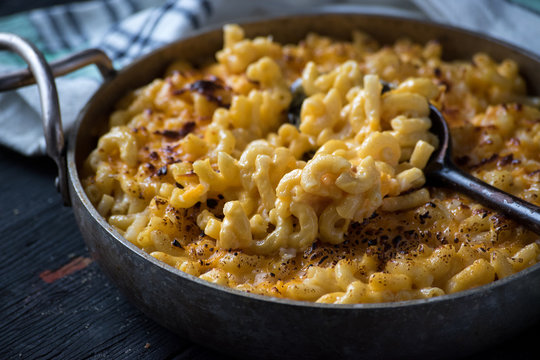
(202, 170)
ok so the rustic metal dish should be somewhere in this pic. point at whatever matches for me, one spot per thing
(248, 325)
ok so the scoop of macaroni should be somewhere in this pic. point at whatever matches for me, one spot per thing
(203, 170)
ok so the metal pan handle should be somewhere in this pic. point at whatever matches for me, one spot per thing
(43, 74)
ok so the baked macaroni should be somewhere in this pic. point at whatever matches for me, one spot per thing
(202, 169)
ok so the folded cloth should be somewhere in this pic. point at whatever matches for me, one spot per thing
(127, 29)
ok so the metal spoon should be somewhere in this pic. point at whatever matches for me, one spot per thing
(441, 170)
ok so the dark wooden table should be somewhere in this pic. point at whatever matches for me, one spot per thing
(54, 301)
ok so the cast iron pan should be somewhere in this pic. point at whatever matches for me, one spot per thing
(247, 325)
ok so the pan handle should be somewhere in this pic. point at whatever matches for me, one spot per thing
(41, 72)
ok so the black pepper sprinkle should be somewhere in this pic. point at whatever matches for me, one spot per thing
(171, 134)
(505, 160)
(177, 134)
(207, 88)
(322, 260)
(423, 217)
(153, 155)
(162, 171)
(187, 128)
(485, 161)
(150, 167)
(211, 203)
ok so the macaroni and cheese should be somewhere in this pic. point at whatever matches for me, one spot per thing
(203, 170)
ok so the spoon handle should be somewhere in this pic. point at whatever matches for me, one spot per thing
(515, 208)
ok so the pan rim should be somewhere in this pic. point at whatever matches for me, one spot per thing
(80, 195)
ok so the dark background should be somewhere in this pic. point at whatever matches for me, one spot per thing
(54, 300)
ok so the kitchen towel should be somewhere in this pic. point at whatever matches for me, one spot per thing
(127, 29)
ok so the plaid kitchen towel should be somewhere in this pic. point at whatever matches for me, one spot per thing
(127, 29)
